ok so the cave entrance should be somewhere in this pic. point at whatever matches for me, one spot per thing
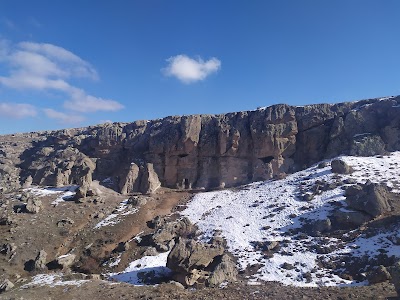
(266, 159)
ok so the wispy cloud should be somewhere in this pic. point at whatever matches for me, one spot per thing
(63, 118)
(47, 67)
(17, 110)
(8, 23)
(189, 70)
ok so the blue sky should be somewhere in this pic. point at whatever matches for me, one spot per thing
(75, 63)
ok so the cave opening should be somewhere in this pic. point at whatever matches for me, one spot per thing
(266, 159)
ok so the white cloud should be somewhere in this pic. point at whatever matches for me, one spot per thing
(190, 70)
(17, 110)
(82, 102)
(43, 67)
(63, 118)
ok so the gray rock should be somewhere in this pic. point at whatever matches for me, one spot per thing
(8, 249)
(378, 275)
(137, 201)
(66, 261)
(350, 219)
(6, 285)
(371, 198)
(367, 145)
(189, 259)
(164, 237)
(33, 205)
(40, 260)
(395, 274)
(225, 271)
(341, 167)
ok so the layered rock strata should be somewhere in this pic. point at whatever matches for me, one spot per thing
(202, 151)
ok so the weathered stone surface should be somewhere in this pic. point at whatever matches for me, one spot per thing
(350, 219)
(40, 260)
(202, 151)
(164, 237)
(6, 285)
(33, 205)
(194, 262)
(379, 274)
(371, 198)
(66, 261)
(341, 167)
(225, 271)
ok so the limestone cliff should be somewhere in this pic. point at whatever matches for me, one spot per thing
(202, 151)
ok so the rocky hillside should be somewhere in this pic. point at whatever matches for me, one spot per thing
(201, 151)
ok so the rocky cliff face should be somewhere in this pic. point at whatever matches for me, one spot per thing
(202, 151)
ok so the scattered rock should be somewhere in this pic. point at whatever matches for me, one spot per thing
(137, 201)
(8, 249)
(64, 222)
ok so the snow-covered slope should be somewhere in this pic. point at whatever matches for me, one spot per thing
(264, 212)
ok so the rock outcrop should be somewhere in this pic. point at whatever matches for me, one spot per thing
(370, 198)
(196, 263)
(201, 151)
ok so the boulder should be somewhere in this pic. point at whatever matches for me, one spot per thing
(350, 219)
(378, 274)
(189, 260)
(40, 260)
(395, 274)
(6, 285)
(163, 238)
(371, 198)
(137, 201)
(33, 205)
(66, 261)
(225, 271)
(340, 167)
(8, 249)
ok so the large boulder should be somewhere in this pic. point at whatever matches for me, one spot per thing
(341, 167)
(164, 237)
(33, 205)
(350, 219)
(193, 262)
(371, 198)
(378, 274)
(225, 271)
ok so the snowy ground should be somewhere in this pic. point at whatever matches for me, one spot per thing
(145, 268)
(65, 193)
(123, 209)
(52, 280)
(266, 211)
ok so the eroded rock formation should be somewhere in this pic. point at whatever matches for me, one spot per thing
(202, 151)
